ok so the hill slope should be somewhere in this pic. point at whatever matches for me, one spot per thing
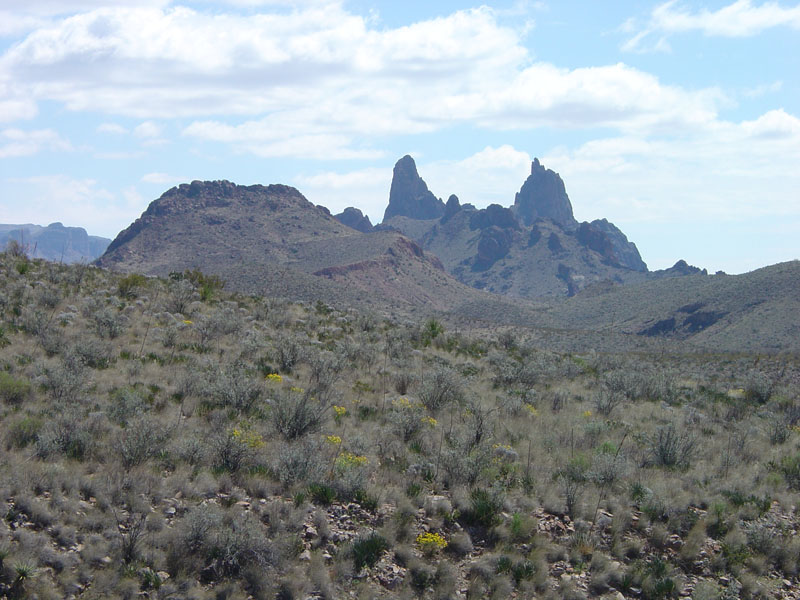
(271, 239)
(752, 311)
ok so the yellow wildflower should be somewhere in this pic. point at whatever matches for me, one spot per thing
(334, 440)
(274, 378)
(430, 543)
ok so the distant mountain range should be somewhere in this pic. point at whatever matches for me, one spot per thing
(532, 249)
(583, 283)
(55, 242)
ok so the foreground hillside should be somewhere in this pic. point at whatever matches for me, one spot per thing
(164, 439)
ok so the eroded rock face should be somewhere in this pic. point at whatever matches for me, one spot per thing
(409, 195)
(451, 208)
(493, 215)
(494, 244)
(606, 238)
(353, 217)
(543, 195)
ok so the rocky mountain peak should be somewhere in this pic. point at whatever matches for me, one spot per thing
(353, 217)
(543, 195)
(409, 195)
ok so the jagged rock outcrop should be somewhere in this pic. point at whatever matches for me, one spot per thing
(409, 195)
(606, 238)
(493, 244)
(543, 195)
(450, 208)
(55, 242)
(680, 268)
(493, 215)
(353, 217)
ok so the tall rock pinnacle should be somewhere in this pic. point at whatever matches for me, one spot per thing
(543, 195)
(409, 195)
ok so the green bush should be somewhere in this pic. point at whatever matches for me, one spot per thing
(128, 286)
(368, 550)
(13, 390)
(484, 508)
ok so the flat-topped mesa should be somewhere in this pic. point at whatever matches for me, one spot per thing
(409, 195)
(543, 195)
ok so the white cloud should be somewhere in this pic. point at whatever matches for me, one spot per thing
(742, 18)
(111, 128)
(78, 202)
(310, 82)
(366, 189)
(161, 178)
(18, 142)
(147, 130)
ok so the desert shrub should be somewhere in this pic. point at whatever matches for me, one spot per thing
(23, 431)
(294, 413)
(14, 390)
(235, 448)
(142, 439)
(789, 467)
(287, 353)
(485, 506)
(351, 474)
(759, 388)
(405, 418)
(128, 287)
(68, 433)
(126, 403)
(180, 295)
(671, 449)
(235, 387)
(299, 461)
(464, 463)
(403, 379)
(367, 550)
(207, 285)
(107, 322)
(441, 388)
(92, 353)
(572, 478)
(326, 369)
(606, 400)
(63, 381)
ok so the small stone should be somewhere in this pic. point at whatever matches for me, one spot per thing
(305, 555)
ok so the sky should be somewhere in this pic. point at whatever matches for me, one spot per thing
(679, 121)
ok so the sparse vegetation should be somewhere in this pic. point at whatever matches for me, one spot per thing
(165, 442)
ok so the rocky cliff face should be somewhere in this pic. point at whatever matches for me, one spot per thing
(409, 195)
(353, 217)
(606, 238)
(543, 196)
(535, 247)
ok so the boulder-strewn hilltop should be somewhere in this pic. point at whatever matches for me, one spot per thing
(533, 248)
(55, 242)
(271, 239)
